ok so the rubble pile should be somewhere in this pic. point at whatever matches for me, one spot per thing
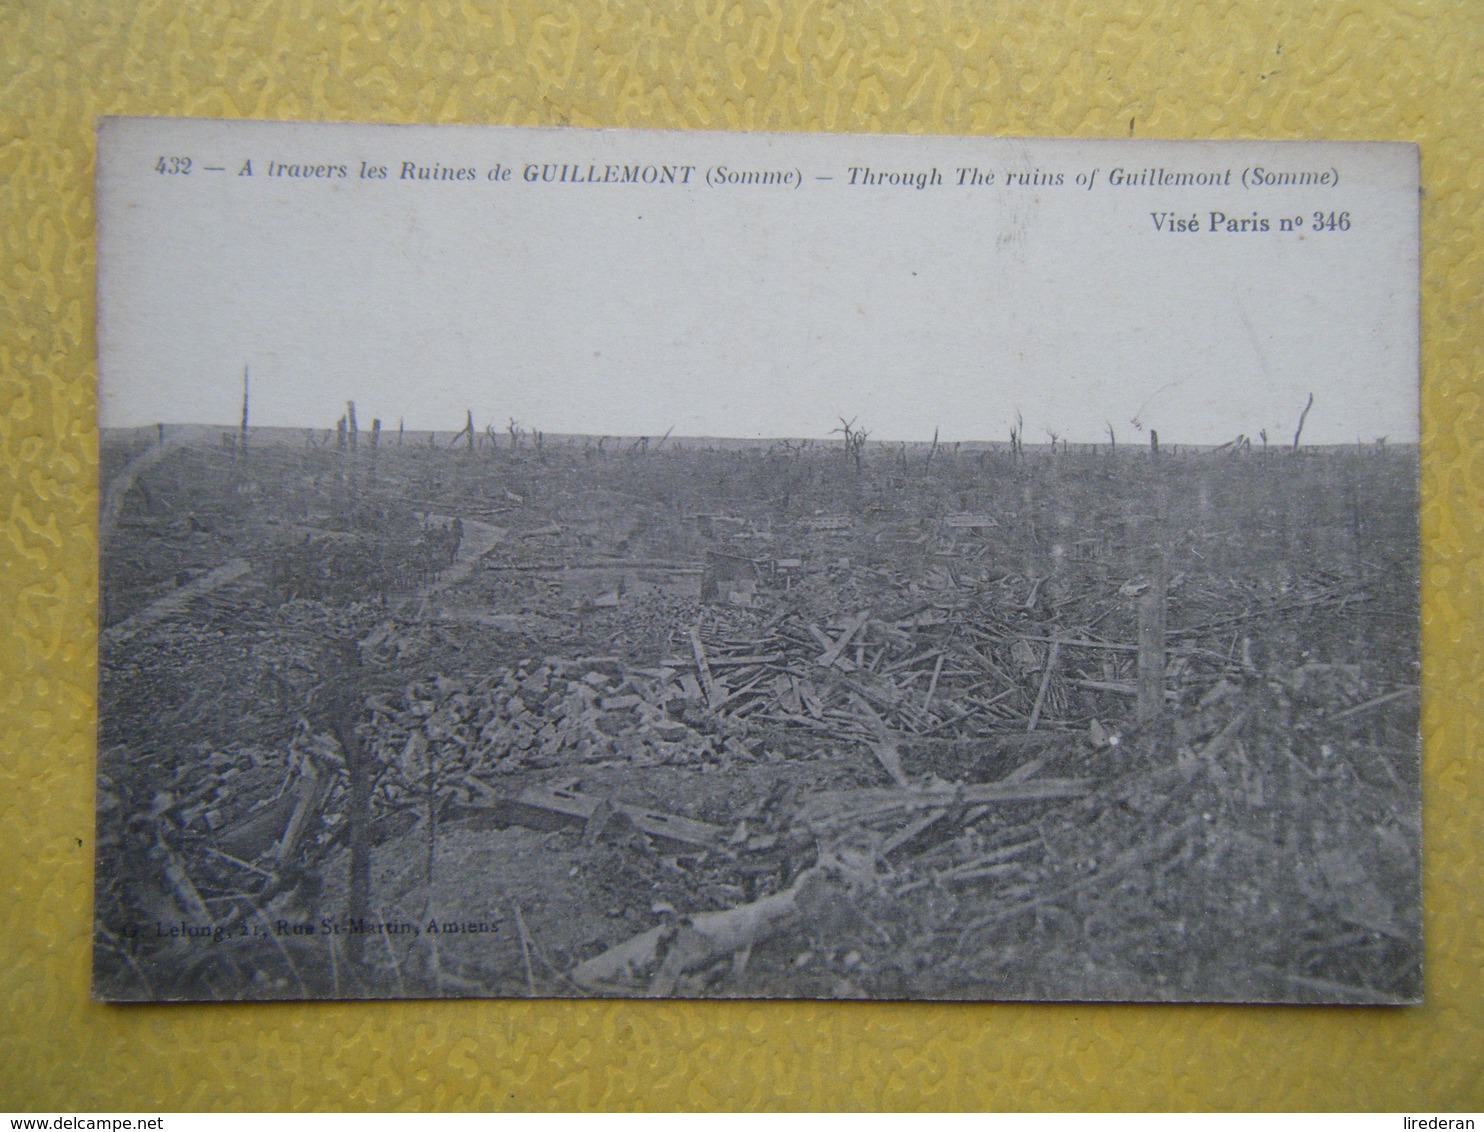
(543, 714)
(1161, 858)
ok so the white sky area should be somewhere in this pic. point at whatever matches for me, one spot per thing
(751, 311)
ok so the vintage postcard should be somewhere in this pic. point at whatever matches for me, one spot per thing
(620, 563)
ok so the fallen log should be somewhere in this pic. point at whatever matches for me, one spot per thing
(1118, 688)
(834, 808)
(594, 814)
(927, 701)
(679, 948)
(912, 832)
(309, 791)
(973, 870)
(624, 961)
(187, 896)
(1045, 684)
(885, 746)
(832, 654)
(1370, 705)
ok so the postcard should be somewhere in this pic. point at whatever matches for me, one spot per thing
(560, 562)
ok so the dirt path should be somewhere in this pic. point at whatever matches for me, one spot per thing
(479, 539)
(113, 498)
(173, 603)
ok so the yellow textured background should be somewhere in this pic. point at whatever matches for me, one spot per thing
(1348, 69)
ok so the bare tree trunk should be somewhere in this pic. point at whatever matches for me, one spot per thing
(244, 410)
(343, 710)
(1302, 417)
(1150, 681)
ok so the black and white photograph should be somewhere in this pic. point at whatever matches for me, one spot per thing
(598, 563)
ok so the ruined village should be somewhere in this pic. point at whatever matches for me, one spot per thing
(493, 713)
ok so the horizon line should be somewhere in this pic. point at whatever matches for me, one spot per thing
(1137, 439)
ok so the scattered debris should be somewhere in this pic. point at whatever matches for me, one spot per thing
(954, 749)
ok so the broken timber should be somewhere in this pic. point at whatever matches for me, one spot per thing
(837, 807)
(708, 685)
(699, 938)
(538, 803)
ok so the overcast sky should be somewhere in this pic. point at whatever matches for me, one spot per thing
(750, 311)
